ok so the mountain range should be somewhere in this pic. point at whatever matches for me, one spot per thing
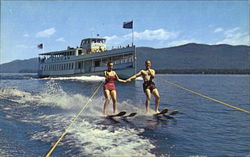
(180, 59)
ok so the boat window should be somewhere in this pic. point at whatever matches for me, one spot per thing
(79, 52)
(105, 61)
(117, 59)
(97, 63)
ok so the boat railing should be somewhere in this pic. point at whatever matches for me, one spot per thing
(121, 47)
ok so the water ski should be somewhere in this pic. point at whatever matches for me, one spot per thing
(122, 113)
(165, 110)
(174, 112)
(130, 115)
(169, 116)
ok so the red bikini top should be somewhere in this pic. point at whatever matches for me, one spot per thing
(110, 79)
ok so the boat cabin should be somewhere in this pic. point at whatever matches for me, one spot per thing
(91, 57)
(92, 45)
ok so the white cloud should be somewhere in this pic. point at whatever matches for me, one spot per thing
(46, 33)
(219, 29)
(231, 32)
(147, 35)
(114, 37)
(235, 37)
(115, 40)
(60, 39)
(159, 34)
(26, 35)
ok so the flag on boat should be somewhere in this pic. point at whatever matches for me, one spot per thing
(128, 25)
(40, 46)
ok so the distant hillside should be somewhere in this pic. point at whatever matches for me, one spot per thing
(16, 66)
(196, 56)
(180, 59)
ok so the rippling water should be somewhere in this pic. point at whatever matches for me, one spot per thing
(34, 113)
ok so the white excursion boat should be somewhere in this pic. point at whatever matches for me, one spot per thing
(90, 58)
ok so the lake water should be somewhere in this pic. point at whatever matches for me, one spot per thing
(34, 113)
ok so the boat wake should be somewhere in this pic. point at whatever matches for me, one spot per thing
(53, 109)
(92, 78)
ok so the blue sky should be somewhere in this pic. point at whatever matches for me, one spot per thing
(157, 24)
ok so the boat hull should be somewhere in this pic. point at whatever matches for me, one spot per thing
(122, 73)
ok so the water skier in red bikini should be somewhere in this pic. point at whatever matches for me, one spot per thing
(109, 87)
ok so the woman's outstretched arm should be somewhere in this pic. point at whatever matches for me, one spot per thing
(120, 80)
